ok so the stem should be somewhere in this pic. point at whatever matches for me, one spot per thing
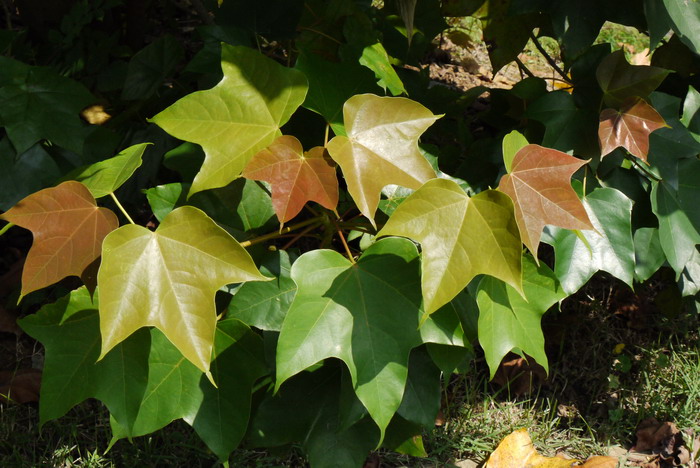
(345, 244)
(321, 34)
(297, 237)
(524, 68)
(119, 205)
(325, 138)
(549, 58)
(274, 235)
(650, 175)
(5, 228)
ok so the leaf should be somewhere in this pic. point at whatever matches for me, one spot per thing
(20, 386)
(238, 117)
(619, 80)
(68, 230)
(150, 66)
(648, 253)
(296, 176)
(365, 314)
(375, 58)
(407, 10)
(509, 321)
(264, 304)
(24, 174)
(685, 17)
(629, 127)
(36, 103)
(610, 247)
(505, 35)
(105, 177)
(381, 147)
(539, 183)
(691, 112)
(421, 398)
(461, 238)
(168, 279)
(516, 451)
(512, 143)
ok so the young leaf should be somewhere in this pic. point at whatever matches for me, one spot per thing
(238, 117)
(507, 321)
(619, 80)
(105, 177)
(296, 176)
(365, 314)
(512, 143)
(461, 237)
(381, 147)
(168, 279)
(629, 127)
(539, 184)
(610, 247)
(68, 229)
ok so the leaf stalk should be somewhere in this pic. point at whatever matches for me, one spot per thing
(121, 208)
(274, 235)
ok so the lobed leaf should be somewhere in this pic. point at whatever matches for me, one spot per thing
(619, 80)
(296, 176)
(168, 279)
(68, 229)
(461, 238)
(539, 183)
(381, 147)
(629, 127)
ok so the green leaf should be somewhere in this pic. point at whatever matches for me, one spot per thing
(619, 80)
(461, 237)
(381, 147)
(168, 279)
(238, 117)
(421, 398)
(24, 174)
(685, 16)
(611, 247)
(264, 304)
(376, 59)
(658, 20)
(648, 253)
(105, 177)
(691, 112)
(36, 103)
(150, 66)
(365, 314)
(506, 35)
(508, 322)
(512, 143)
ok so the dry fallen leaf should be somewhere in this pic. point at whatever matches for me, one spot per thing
(21, 386)
(516, 451)
(519, 375)
(600, 462)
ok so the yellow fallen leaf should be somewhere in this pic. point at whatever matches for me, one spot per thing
(600, 462)
(517, 451)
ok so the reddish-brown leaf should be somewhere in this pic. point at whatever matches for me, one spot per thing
(540, 185)
(296, 176)
(629, 127)
(68, 229)
(21, 386)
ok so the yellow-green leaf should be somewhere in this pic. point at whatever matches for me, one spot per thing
(461, 237)
(238, 117)
(168, 279)
(381, 147)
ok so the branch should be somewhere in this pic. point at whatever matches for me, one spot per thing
(549, 59)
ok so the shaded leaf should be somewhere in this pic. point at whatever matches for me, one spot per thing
(421, 398)
(20, 386)
(505, 35)
(168, 279)
(461, 237)
(609, 248)
(691, 112)
(539, 184)
(24, 174)
(68, 230)
(238, 117)
(296, 176)
(381, 147)
(407, 10)
(629, 127)
(685, 18)
(648, 253)
(105, 177)
(619, 80)
(150, 66)
(365, 314)
(509, 321)
(516, 451)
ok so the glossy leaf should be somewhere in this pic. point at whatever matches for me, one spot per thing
(608, 248)
(381, 147)
(296, 176)
(619, 80)
(509, 322)
(68, 229)
(629, 127)
(685, 17)
(375, 58)
(238, 117)
(365, 314)
(168, 279)
(461, 237)
(105, 177)
(36, 103)
(539, 183)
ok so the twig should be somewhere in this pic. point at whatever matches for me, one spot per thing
(274, 235)
(523, 68)
(549, 58)
(650, 175)
(345, 244)
(121, 208)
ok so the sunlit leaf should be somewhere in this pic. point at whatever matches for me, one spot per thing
(381, 147)
(629, 127)
(68, 229)
(685, 17)
(512, 143)
(539, 183)
(296, 176)
(516, 451)
(168, 279)
(238, 117)
(461, 237)
(619, 80)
